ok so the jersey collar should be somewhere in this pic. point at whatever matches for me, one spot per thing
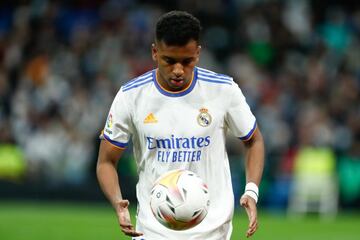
(176, 93)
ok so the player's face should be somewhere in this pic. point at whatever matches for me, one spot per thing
(175, 64)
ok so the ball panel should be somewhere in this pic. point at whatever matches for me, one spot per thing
(179, 200)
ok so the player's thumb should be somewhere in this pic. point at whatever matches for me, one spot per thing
(243, 202)
(124, 203)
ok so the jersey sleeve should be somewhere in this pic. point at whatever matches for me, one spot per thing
(118, 125)
(239, 118)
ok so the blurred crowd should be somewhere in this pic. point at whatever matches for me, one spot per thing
(296, 61)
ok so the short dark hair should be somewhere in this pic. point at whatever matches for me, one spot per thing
(178, 28)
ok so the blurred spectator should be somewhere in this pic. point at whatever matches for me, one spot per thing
(12, 163)
(349, 178)
(314, 186)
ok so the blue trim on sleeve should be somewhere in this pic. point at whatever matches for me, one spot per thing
(118, 144)
(247, 137)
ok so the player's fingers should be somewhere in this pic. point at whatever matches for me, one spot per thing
(252, 221)
(253, 215)
(126, 224)
(132, 233)
(252, 212)
(253, 225)
(252, 229)
(126, 228)
(251, 232)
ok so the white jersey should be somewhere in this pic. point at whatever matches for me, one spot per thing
(182, 130)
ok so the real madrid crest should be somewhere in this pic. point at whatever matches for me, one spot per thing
(204, 118)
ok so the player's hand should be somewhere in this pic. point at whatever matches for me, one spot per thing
(250, 206)
(123, 214)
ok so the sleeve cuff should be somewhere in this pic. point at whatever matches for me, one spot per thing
(250, 133)
(115, 143)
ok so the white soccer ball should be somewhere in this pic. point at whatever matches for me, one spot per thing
(179, 199)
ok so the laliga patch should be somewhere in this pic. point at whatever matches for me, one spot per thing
(204, 118)
(109, 121)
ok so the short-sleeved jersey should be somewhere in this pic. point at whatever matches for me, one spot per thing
(181, 130)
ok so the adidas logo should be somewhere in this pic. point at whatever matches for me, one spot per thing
(150, 118)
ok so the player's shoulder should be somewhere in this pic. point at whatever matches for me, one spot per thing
(207, 76)
(216, 84)
(137, 83)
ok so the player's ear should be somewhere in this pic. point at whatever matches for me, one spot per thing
(154, 51)
(198, 50)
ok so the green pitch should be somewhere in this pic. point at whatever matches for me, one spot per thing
(61, 221)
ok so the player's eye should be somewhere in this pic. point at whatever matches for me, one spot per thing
(170, 61)
(187, 61)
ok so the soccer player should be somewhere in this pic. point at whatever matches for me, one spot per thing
(177, 116)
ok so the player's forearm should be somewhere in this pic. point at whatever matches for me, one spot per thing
(109, 181)
(255, 158)
(106, 171)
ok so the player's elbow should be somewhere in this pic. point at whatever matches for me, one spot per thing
(256, 140)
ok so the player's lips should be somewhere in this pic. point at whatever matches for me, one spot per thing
(177, 81)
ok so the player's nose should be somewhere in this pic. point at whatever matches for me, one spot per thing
(178, 70)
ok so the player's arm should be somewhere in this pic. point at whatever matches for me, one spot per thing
(106, 171)
(255, 151)
(254, 165)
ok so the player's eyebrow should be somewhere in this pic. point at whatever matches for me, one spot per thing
(167, 58)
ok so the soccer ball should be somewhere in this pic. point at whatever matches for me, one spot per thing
(179, 199)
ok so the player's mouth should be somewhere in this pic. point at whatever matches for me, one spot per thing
(178, 82)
